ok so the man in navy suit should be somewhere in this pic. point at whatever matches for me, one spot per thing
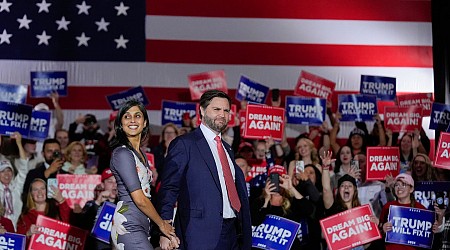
(207, 186)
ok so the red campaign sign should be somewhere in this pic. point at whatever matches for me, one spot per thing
(242, 115)
(442, 159)
(310, 85)
(257, 167)
(350, 228)
(382, 104)
(382, 161)
(78, 188)
(424, 100)
(57, 235)
(231, 122)
(400, 119)
(151, 160)
(262, 121)
(202, 82)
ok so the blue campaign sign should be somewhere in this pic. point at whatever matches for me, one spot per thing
(40, 125)
(252, 91)
(102, 226)
(410, 226)
(304, 110)
(357, 108)
(275, 233)
(425, 192)
(173, 111)
(440, 116)
(384, 88)
(137, 93)
(44, 83)
(12, 241)
(13, 93)
(15, 117)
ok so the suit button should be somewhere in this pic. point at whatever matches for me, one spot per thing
(221, 213)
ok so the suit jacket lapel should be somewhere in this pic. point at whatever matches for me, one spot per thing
(207, 156)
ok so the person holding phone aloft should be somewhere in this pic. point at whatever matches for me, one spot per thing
(287, 203)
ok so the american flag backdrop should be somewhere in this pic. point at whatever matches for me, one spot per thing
(107, 46)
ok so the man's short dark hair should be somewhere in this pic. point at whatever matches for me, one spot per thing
(206, 98)
(50, 141)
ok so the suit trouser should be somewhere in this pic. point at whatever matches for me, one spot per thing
(228, 236)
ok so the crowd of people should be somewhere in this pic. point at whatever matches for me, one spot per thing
(213, 178)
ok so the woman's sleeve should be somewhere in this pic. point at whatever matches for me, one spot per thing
(124, 165)
(64, 212)
(22, 225)
(258, 213)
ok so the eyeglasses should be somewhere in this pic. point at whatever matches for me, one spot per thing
(403, 185)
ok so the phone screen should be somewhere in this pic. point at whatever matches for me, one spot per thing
(51, 182)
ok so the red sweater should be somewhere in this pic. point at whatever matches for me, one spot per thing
(7, 224)
(26, 220)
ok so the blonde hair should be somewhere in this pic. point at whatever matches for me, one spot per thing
(314, 155)
(2, 210)
(70, 148)
(430, 174)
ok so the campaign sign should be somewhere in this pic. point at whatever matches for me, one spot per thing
(440, 116)
(173, 111)
(424, 100)
(55, 234)
(15, 117)
(78, 188)
(40, 125)
(102, 226)
(403, 119)
(242, 115)
(13, 93)
(357, 108)
(382, 161)
(45, 83)
(151, 160)
(136, 93)
(275, 233)
(202, 82)
(350, 228)
(252, 91)
(442, 159)
(307, 111)
(410, 226)
(257, 167)
(310, 85)
(264, 121)
(425, 192)
(11, 241)
(381, 86)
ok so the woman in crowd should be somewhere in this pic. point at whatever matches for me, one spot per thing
(422, 168)
(168, 133)
(305, 152)
(11, 185)
(404, 191)
(76, 157)
(131, 224)
(343, 166)
(38, 204)
(5, 223)
(347, 193)
(287, 203)
(310, 186)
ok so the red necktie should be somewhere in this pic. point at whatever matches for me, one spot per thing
(231, 187)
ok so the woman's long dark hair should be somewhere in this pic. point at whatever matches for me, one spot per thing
(121, 138)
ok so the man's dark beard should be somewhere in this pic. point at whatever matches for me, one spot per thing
(212, 125)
